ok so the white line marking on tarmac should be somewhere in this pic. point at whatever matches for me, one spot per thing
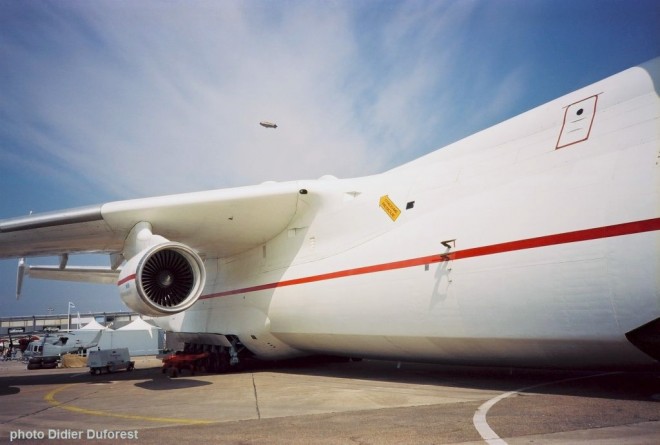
(479, 418)
(480, 423)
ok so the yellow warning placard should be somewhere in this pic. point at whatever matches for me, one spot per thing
(389, 207)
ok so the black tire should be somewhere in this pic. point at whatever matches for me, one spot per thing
(34, 366)
(49, 360)
(35, 361)
(51, 365)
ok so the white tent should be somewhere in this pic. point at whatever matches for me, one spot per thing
(139, 337)
(138, 325)
(93, 326)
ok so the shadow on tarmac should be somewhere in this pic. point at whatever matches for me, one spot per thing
(643, 384)
(629, 384)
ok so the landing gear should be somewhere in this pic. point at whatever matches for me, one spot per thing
(235, 348)
(206, 358)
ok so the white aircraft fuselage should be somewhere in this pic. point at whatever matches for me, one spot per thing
(535, 242)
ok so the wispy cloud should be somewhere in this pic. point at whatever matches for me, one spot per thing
(167, 97)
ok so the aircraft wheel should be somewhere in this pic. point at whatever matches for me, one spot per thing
(51, 365)
(34, 366)
(35, 360)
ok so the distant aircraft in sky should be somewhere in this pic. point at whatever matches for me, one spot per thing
(532, 243)
(266, 124)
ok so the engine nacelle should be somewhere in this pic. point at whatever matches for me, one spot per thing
(163, 279)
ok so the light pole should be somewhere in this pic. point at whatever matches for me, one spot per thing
(68, 318)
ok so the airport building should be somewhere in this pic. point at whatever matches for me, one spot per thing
(62, 322)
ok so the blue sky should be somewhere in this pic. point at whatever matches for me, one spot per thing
(112, 100)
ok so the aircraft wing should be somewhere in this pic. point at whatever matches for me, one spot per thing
(215, 223)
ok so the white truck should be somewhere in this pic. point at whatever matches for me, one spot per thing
(109, 360)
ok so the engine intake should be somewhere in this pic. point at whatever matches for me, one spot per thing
(163, 279)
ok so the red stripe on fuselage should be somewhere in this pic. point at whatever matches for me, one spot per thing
(648, 225)
(125, 280)
(631, 228)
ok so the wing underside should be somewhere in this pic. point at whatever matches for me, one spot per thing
(216, 223)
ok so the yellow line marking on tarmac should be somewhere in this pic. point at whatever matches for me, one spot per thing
(50, 398)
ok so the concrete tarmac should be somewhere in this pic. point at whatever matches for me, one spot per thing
(303, 402)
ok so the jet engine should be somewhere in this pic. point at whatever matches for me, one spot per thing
(163, 279)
